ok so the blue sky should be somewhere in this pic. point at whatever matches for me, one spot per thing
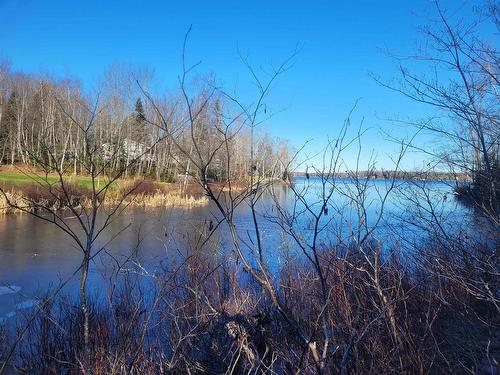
(340, 43)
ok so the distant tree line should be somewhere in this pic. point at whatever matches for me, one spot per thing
(39, 118)
(399, 174)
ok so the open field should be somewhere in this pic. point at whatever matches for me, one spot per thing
(19, 178)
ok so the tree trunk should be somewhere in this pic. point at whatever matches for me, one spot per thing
(83, 298)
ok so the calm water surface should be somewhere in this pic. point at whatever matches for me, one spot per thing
(36, 255)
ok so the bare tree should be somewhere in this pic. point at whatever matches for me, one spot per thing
(462, 83)
(68, 204)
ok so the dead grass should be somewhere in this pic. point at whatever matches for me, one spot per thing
(32, 197)
(160, 199)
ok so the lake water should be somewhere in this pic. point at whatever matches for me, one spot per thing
(36, 255)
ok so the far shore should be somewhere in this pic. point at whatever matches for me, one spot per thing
(400, 175)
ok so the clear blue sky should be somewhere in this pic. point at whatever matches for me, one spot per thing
(340, 42)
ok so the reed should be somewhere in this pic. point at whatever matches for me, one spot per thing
(17, 198)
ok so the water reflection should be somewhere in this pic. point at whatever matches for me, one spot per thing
(36, 255)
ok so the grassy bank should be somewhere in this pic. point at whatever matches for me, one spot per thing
(25, 177)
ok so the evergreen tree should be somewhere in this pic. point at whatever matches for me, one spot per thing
(140, 116)
(139, 122)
